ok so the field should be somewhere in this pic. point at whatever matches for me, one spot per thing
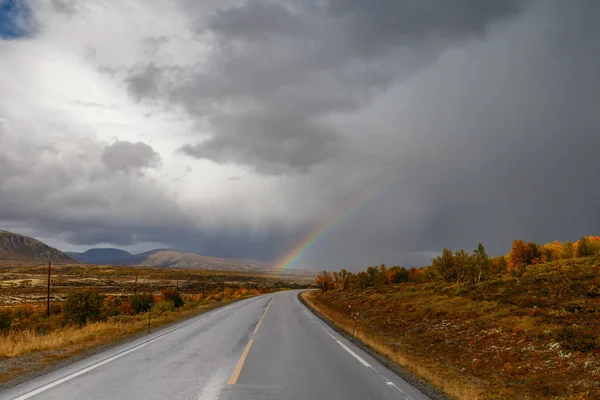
(30, 340)
(26, 283)
(531, 337)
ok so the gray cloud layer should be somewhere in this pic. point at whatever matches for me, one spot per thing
(127, 157)
(485, 113)
(279, 69)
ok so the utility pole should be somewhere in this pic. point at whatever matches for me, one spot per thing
(135, 284)
(48, 297)
(149, 312)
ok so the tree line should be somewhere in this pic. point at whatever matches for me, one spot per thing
(373, 276)
(461, 266)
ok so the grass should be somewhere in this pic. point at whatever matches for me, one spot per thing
(44, 349)
(529, 338)
(17, 343)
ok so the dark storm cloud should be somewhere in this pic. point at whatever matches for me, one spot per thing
(263, 144)
(498, 141)
(279, 69)
(143, 82)
(257, 20)
(127, 156)
(375, 27)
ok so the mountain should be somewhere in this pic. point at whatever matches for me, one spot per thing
(15, 247)
(101, 256)
(181, 259)
(166, 258)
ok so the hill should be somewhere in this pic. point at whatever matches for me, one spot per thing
(523, 326)
(15, 247)
(101, 256)
(166, 258)
(180, 259)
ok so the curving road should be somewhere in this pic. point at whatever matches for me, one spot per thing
(267, 347)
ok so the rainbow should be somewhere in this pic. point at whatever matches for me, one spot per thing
(360, 198)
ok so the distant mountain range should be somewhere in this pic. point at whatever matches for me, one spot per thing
(166, 258)
(15, 247)
(101, 256)
(20, 248)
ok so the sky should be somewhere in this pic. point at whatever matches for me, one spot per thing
(388, 130)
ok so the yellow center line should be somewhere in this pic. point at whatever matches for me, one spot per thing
(257, 326)
(238, 368)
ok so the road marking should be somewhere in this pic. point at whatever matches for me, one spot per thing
(113, 358)
(353, 354)
(267, 309)
(85, 370)
(238, 368)
(257, 326)
(220, 311)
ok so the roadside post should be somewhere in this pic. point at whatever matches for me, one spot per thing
(149, 312)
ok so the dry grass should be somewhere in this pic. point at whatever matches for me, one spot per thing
(447, 381)
(74, 339)
(43, 350)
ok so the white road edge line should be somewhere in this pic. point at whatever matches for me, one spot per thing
(106, 361)
(85, 370)
(353, 354)
(220, 311)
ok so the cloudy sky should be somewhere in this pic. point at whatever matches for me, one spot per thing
(237, 127)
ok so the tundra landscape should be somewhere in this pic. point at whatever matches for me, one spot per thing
(53, 311)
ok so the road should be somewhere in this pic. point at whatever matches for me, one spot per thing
(267, 347)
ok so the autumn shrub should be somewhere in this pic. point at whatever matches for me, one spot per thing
(82, 306)
(112, 306)
(125, 308)
(23, 311)
(55, 309)
(43, 327)
(163, 306)
(25, 316)
(6, 317)
(174, 296)
(576, 338)
(141, 302)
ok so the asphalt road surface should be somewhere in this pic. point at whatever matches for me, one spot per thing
(267, 347)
